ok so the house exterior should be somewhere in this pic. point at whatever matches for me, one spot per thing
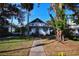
(11, 28)
(6, 28)
(73, 29)
(3, 27)
(37, 27)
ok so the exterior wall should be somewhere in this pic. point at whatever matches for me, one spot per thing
(41, 31)
(38, 24)
(9, 29)
(38, 27)
(3, 31)
(70, 22)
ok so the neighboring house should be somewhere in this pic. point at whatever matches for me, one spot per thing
(11, 28)
(70, 22)
(4, 27)
(72, 25)
(38, 27)
(73, 29)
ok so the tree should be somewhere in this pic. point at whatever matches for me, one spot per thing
(59, 20)
(28, 7)
(13, 12)
(8, 11)
(20, 18)
(75, 8)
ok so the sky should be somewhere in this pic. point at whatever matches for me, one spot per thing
(41, 12)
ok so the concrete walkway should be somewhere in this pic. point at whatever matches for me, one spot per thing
(37, 49)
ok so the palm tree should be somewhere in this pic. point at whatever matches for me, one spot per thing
(59, 19)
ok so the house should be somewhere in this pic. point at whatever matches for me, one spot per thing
(6, 28)
(3, 27)
(73, 28)
(38, 27)
(70, 22)
(11, 28)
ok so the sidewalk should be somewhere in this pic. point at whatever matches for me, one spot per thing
(38, 50)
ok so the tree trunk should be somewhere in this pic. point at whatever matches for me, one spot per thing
(11, 24)
(59, 35)
(21, 31)
(28, 22)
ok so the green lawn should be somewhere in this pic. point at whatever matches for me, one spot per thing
(15, 47)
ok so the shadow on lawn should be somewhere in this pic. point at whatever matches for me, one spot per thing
(16, 39)
(27, 47)
(11, 41)
(20, 38)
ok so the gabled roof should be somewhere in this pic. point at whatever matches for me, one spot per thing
(37, 20)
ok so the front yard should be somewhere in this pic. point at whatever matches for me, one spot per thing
(21, 47)
(15, 47)
(56, 48)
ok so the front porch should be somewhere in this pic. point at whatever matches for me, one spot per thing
(40, 31)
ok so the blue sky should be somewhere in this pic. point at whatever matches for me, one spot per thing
(41, 12)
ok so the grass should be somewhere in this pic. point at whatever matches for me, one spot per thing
(15, 47)
(22, 46)
(56, 48)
